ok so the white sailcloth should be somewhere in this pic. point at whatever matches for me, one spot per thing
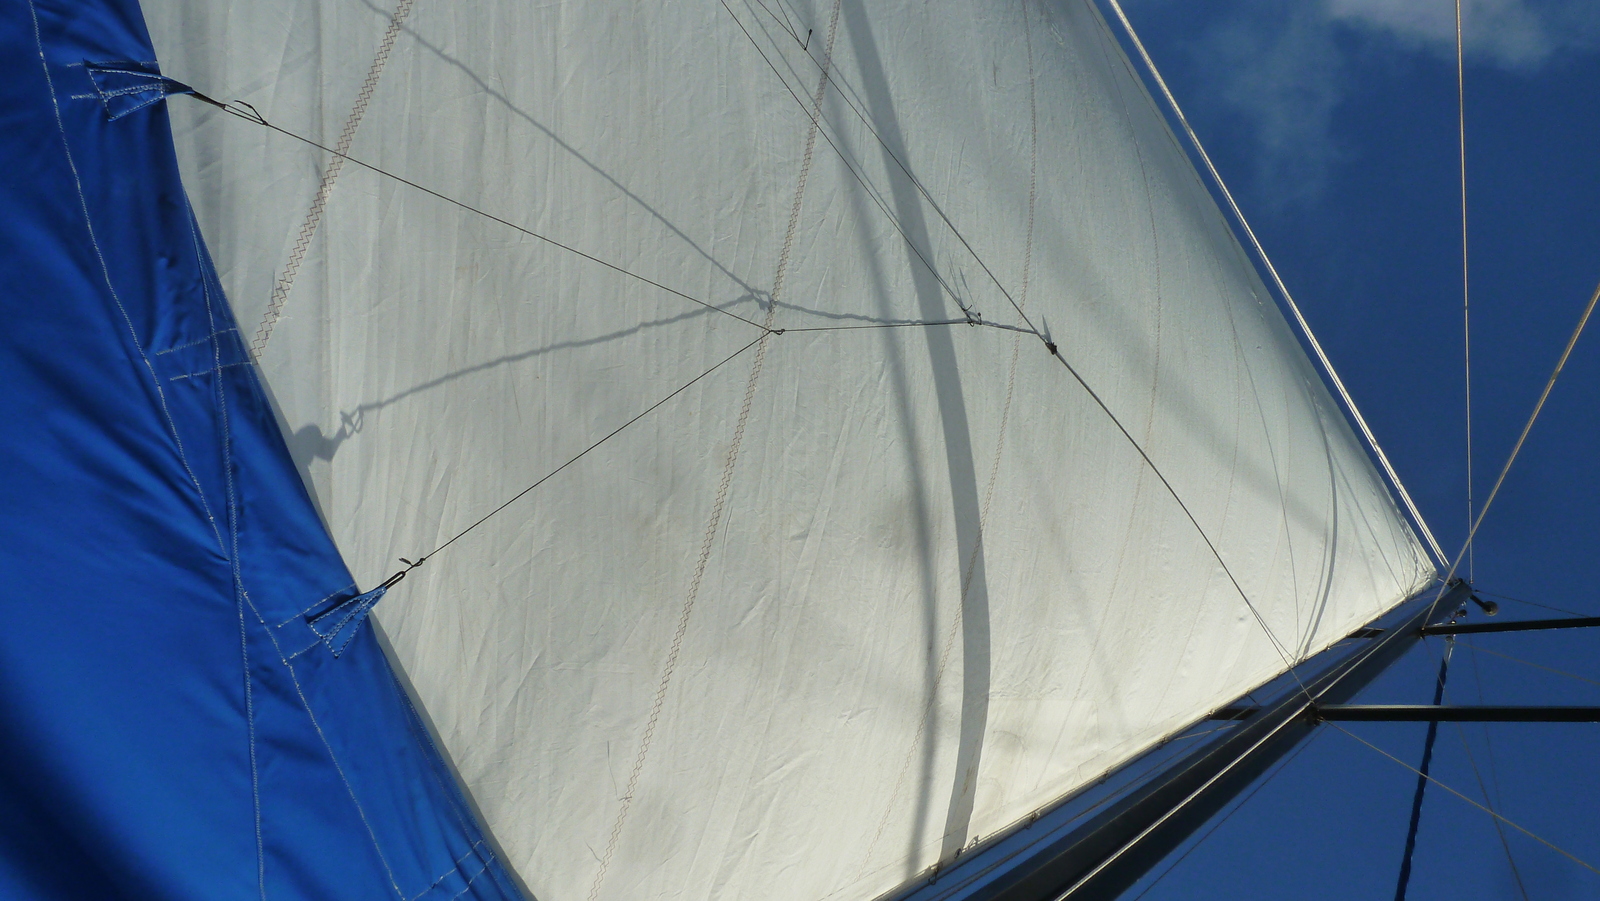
(861, 596)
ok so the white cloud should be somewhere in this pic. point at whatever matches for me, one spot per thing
(1279, 70)
(1511, 33)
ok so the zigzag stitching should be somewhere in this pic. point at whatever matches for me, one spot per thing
(308, 228)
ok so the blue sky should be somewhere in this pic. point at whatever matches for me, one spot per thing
(1334, 121)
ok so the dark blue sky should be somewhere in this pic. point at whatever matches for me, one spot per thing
(1334, 121)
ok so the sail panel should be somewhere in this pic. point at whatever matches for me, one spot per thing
(875, 588)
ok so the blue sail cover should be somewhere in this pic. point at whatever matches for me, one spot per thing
(190, 703)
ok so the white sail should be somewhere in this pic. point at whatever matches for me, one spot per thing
(858, 597)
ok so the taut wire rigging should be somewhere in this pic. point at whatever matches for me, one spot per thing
(1466, 308)
(1538, 838)
(1533, 417)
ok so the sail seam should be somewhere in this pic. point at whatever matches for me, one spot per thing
(468, 886)
(305, 704)
(215, 370)
(195, 343)
(315, 605)
(718, 505)
(1130, 532)
(454, 869)
(313, 219)
(105, 272)
(233, 536)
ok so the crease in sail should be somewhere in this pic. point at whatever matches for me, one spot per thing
(814, 738)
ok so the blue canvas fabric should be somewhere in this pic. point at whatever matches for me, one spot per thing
(192, 705)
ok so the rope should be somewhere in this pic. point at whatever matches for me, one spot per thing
(1277, 645)
(845, 328)
(1050, 345)
(915, 182)
(786, 24)
(249, 113)
(1283, 290)
(858, 176)
(1541, 840)
(1544, 395)
(1483, 789)
(1054, 351)
(1466, 308)
(1422, 779)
